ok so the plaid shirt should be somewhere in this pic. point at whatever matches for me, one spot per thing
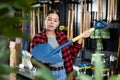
(68, 53)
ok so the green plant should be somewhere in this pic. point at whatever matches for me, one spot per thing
(44, 73)
(8, 29)
(8, 19)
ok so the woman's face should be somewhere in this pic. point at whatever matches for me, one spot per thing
(52, 22)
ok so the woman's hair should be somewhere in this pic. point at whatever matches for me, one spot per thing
(53, 11)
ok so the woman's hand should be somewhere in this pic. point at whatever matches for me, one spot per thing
(86, 35)
(80, 41)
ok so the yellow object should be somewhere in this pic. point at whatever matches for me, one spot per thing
(63, 28)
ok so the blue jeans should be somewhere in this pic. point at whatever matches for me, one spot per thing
(60, 74)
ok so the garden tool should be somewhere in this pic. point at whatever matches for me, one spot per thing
(45, 53)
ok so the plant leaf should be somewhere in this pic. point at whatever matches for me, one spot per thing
(98, 70)
(6, 69)
(4, 51)
(44, 73)
(84, 77)
(115, 77)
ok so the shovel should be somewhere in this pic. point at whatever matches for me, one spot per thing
(46, 54)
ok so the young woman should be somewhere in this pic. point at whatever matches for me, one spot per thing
(57, 38)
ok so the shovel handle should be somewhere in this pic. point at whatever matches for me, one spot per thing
(97, 26)
(82, 35)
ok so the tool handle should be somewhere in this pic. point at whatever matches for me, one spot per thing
(82, 35)
(98, 25)
(59, 48)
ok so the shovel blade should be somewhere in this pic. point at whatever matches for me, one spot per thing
(41, 53)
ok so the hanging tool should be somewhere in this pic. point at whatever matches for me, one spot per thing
(69, 21)
(100, 9)
(72, 21)
(32, 23)
(112, 10)
(38, 19)
(81, 17)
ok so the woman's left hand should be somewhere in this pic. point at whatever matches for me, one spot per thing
(86, 34)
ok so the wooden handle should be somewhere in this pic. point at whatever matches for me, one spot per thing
(71, 26)
(82, 35)
(68, 29)
(91, 30)
(78, 37)
(33, 27)
(38, 18)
